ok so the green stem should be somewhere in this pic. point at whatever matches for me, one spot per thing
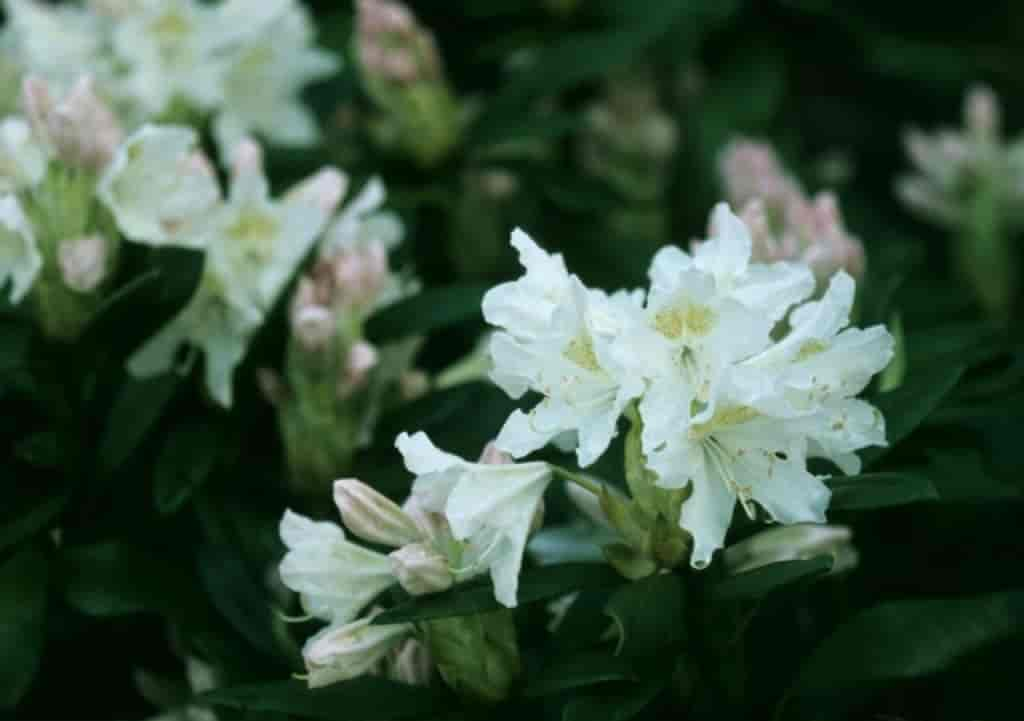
(580, 480)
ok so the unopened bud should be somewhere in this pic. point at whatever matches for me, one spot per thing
(373, 516)
(412, 663)
(82, 129)
(431, 525)
(340, 653)
(421, 569)
(322, 190)
(313, 327)
(413, 384)
(801, 541)
(359, 274)
(362, 358)
(247, 159)
(981, 112)
(83, 262)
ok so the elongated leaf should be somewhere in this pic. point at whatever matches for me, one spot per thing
(184, 463)
(28, 520)
(960, 475)
(363, 699)
(536, 584)
(425, 312)
(909, 405)
(903, 640)
(760, 582)
(879, 490)
(620, 703)
(23, 583)
(649, 615)
(137, 408)
(586, 669)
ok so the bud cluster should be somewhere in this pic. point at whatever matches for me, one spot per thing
(784, 222)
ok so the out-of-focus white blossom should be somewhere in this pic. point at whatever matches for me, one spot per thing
(22, 156)
(20, 260)
(160, 188)
(253, 246)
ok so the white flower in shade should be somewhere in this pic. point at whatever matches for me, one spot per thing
(335, 579)
(20, 260)
(265, 73)
(57, 42)
(160, 188)
(363, 223)
(525, 307)
(254, 244)
(168, 51)
(490, 508)
(22, 158)
(339, 653)
(559, 340)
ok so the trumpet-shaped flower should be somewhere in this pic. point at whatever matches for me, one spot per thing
(160, 188)
(254, 245)
(490, 508)
(335, 579)
(22, 157)
(57, 42)
(340, 653)
(265, 72)
(559, 342)
(20, 260)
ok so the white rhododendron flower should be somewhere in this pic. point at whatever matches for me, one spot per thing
(738, 378)
(559, 342)
(335, 578)
(22, 157)
(340, 653)
(160, 188)
(265, 73)
(58, 42)
(490, 508)
(20, 260)
(253, 245)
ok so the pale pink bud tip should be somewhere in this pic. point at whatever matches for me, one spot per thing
(313, 327)
(421, 569)
(323, 190)
(83, 262)
(981, 111)
(373, 516)
(247, 158)
(493, 456)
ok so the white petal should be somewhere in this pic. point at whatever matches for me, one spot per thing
(706, 516)
(727, 254)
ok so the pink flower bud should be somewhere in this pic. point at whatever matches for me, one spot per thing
(421, 569)
(81, 129)
(247, 159)
(360, 274)
(83, 262)
(362, 358)
(412, 663)
(431, 525)
(373, 516)
(313, 327)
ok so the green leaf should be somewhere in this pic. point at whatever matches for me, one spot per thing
(115, 578)
(137, 408)
(45, 449)
(184, 463)
(23, 584)
(902, 640)
(424, 312)
(14, 342)
(25, 521)
(960, 475)
(535, 584)
(905, 408)
(879, 490)
(579, 541)
(649, 615)
(363, 699)
(613, 704)
(760, 582)
(565, 673)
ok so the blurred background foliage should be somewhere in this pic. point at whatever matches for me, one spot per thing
(139, 519)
